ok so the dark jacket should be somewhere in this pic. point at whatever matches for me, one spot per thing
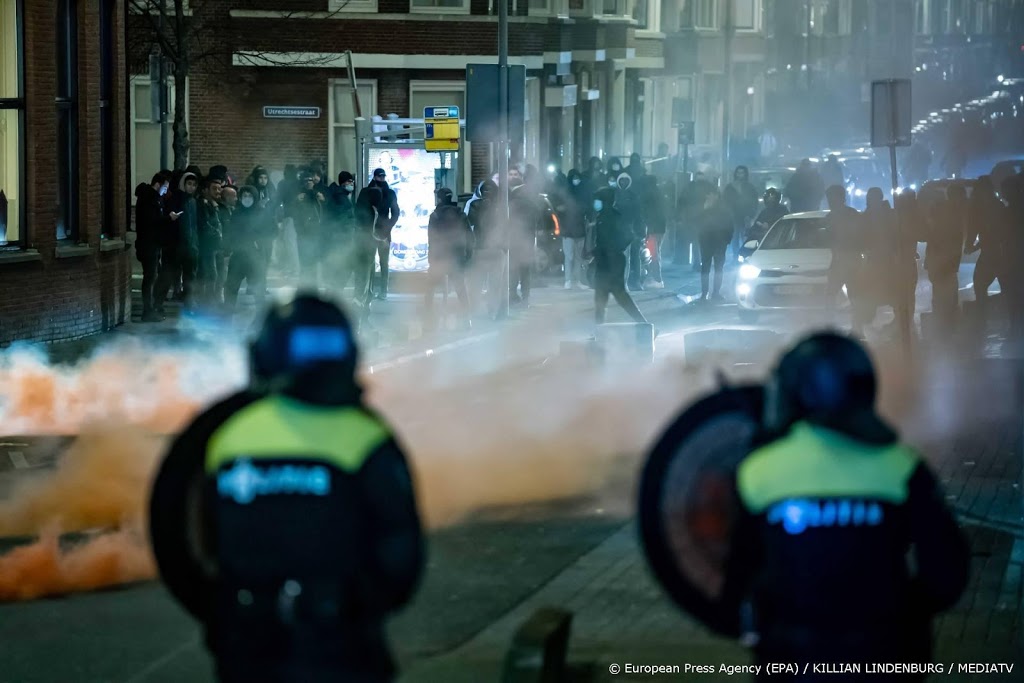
(655, 205)
(630, 207)
(388, 210)
(306, 211)
(945, 238)
(374, 567)
(716, 223)
(854, 574)
(151, 220)
(805, 190)
(366, 213)
(765, 220)
(185, 241)
(570, 204)
(488, 231)
(211, 232)
(525, 218)
(250, 230)
(741, 198)
(449, 238)
(340, 214)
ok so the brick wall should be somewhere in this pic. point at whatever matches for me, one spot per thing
(66, 298)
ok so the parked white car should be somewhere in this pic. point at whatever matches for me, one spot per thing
(788, 269)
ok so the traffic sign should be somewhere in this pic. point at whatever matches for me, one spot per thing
(441, 125)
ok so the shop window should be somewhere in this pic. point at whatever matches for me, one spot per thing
(67, 120)
(12, 120)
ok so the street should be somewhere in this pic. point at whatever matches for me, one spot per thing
(526, 458)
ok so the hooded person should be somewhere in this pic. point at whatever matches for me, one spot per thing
(307, 214)
(607, 245)
(631, 214)
(250, 232)
(260, 179)
(388, 212)
(615, 169)
(525, 219)
(490, 240)
(153, 224)
(655, 209)
(805, 188)
(211, 236)
(636, 168)
(180, 255)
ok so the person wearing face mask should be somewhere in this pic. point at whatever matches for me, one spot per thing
(245, 237)
(389, 213)
(631, 212)
(606, 245)
(152, 228)
(340, 230)
(571, 207)
(614, 171)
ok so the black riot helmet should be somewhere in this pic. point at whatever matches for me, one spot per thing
(306, 350)
(826, 379)
(772, 196)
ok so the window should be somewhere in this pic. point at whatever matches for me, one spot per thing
(647, 13)
(67, 120)
(353, 5)
(440, 6)
(145, 131)
(341, 147)
(746, 15)
(107, 225)
(439, 93)
(12, 119)
(700, 14)
(531, 148)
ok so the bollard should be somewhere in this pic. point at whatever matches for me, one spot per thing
(626, 341)
(539, 648)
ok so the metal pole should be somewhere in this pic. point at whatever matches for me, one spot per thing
(903, 314)
(503, 140)
(727, 106)
(163, 92)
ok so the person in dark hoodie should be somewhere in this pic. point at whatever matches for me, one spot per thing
(615, 169)
(260, 179)
(248, 234)
(741, 199)
(339, 231)
(631, 212)
(389, 213)
(571, 208)
(306, 211)
(181, 251)
(655, 203)
(450, 241)
(489, 243)
(152, 227)
(636, 169)
(607, 245)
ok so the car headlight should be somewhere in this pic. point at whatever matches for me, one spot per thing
(749, 271)
(743, 289)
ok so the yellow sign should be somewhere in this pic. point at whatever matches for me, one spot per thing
(442, 129)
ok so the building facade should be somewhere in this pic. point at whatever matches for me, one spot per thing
(596, 84)
(64, 268)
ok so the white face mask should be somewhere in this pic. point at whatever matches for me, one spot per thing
(348, 187)
(598, 205)
(247, 201)
(576, 182)
(612, 183)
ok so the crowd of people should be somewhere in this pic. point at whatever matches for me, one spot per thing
(200, 237)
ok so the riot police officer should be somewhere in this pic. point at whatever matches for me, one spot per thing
(845, 550)
(284, 517)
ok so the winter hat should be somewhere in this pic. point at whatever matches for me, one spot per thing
(185, 178)
(345, 177)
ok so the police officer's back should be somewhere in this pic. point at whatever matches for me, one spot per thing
(284, 517)
(845, 550)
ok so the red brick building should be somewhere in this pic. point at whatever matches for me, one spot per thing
(64, 269)
(595, 83)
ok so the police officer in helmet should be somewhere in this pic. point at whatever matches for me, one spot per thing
(845, 550)
(284, 517)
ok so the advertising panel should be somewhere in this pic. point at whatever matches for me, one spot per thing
(413, 173)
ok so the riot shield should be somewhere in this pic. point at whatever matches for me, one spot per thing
(687, 507)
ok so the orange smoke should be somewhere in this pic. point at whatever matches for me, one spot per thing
(43, 568)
